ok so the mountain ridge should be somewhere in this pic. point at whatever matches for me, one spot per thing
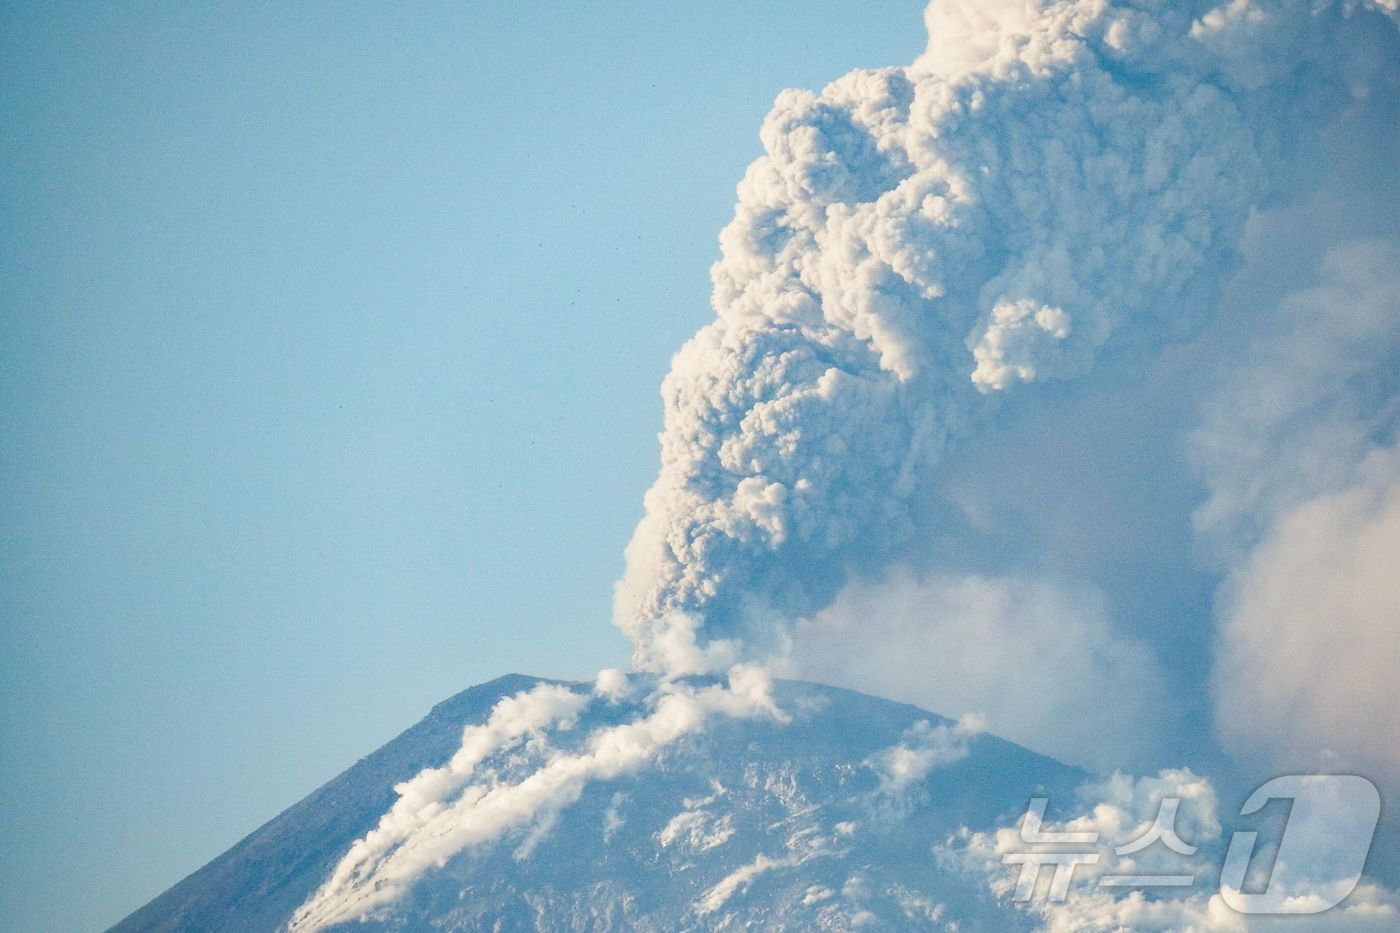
(258, 882)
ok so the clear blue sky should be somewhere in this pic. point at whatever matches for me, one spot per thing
(330, 338)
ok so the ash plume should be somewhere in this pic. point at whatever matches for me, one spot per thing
(1050, 183)
(917, 242)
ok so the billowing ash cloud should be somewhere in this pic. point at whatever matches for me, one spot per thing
(1050, 182)
(917, 241)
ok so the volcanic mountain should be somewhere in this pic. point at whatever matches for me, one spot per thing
(833, 820)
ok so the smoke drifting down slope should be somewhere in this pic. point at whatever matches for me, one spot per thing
(915, 243)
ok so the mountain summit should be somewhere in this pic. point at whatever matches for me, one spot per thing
(830, 821)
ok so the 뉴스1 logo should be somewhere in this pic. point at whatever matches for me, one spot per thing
(1316, 860)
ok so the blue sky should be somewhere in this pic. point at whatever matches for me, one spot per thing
(332, 338)
(331, 344)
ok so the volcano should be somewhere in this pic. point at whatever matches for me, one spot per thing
(833, 820)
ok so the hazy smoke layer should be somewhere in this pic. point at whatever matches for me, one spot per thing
(916, 240)
(1301, 456)
(1037, 659)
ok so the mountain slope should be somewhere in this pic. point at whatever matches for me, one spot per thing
(826, 822)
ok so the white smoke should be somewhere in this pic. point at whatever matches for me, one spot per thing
(922, 749)
(1048, 176)
(439, 814)
(1112, 817)
(917, 241)
(1301, 457)
(1039, 660)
